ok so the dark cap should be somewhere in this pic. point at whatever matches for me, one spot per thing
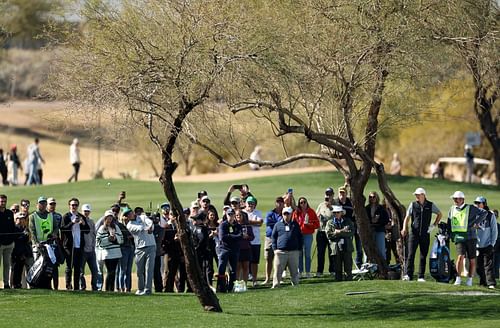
(279, 200)
(329, 191)
(230, 211)
(115, 205)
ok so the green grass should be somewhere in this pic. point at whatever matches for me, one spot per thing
(315, 303)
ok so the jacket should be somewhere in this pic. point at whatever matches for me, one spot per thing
(142, 230)
(287, 236)
(340, 241)
(108, 249)
(488, 231)
(300, 218)
(230, 236)
(379, 219)
(7, 227)
(67, 231)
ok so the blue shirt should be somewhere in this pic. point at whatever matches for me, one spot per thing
(287, 236)
(271, 219)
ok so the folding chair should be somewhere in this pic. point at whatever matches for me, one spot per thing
(365, 272)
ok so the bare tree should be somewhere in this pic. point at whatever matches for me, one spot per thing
(154, 63)
(470, 27)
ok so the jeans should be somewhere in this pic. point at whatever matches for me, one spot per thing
(485, 266)
(111, 265)
(230, 257)
(415, 241)
(100, 274)
(379, 238)
(90, 259)
(5, 257)
(306, 252)
(33, 177)
(124, 270)
(145, 262)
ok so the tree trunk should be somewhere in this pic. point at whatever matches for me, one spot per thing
(200, 286)
(365, 230)
(396, 208)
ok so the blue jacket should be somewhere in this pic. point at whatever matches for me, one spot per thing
(230, 235)
(271, 219)
(284, 240)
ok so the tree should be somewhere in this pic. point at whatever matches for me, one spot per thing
(470, 27)
(155, 63)
(324, 77)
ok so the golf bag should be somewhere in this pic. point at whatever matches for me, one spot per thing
(441, 266)
(41, 272)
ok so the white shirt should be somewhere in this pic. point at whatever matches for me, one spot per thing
(255, 215)
(74, 154)
(75, 230)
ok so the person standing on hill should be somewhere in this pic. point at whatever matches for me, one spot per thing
(3, 168)
(420, 213)
(33, 159)
(13, 164)
(74, 159)
(308, 221)
(463, 221)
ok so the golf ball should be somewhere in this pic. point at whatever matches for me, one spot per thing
(109, 184)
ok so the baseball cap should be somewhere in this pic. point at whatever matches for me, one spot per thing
(205, 198)
(86, 207)
(194, 204)
(235, 199)
(329, 191)
(230, 211)
(288, 210)
(126, 211)
(115, 205)
(51, 200)
(42, 199)
(109, 213)
(251, 199)
(458, 194)
(480, 199)
(337, 209)
(165, 205)
(419, 191)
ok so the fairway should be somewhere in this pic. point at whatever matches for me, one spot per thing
(314, 303)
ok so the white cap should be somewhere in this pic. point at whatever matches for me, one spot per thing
(288, 210)
(86, 207)
(194, 204)
(458, 194)
(109, 213)
(205, 197)
(337, 209)
(419, 191)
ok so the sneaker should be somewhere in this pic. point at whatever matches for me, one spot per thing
(491, 287)
(406, 277)
(318, 274)
(139, 292)
(421, 280)
(468, 282)
(458, 281)
(283, 275)
(308, 275)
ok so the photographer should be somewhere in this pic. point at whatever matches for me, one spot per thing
(244, 194)
(340, 231)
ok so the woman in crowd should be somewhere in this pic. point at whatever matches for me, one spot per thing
(245, 248)
(124, 269)
(213, 241)
(308, 221)
(378, 220)
(108, 241)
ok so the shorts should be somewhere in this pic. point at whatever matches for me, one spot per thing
(245, 255)
(255, 254)
(268, 249)
(467, 248)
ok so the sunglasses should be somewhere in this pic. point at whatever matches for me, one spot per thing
(25, 205)
(371, 196)
(302, 202)
(52, 203)
(74, 205)
(234, 203)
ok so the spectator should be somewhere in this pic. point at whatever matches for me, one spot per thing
(497, 248)
(51, 207)
(272, 217)
(391, 234)
(230, 235)
(108, 240)
(89, 255)
(7, 230)
(145, 250)
(340, 231)
(325, 214)
(33, 159)
(74, 159)
(3, 168)
(255, 220)
(15, 208)
(213, 242)
(25, 207)
(469, 162)
(175, 257)
(379, 218)
(308, 222)
(244, 193)
(463, 220)
(287, 245)
(43, 227)
(346, 204)
(73, 227)
(22, 255)
(13, 165)
(419, 215)
(486, 238)
(159, 234)
(200, 236)
(245, 256)
(127, 248)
